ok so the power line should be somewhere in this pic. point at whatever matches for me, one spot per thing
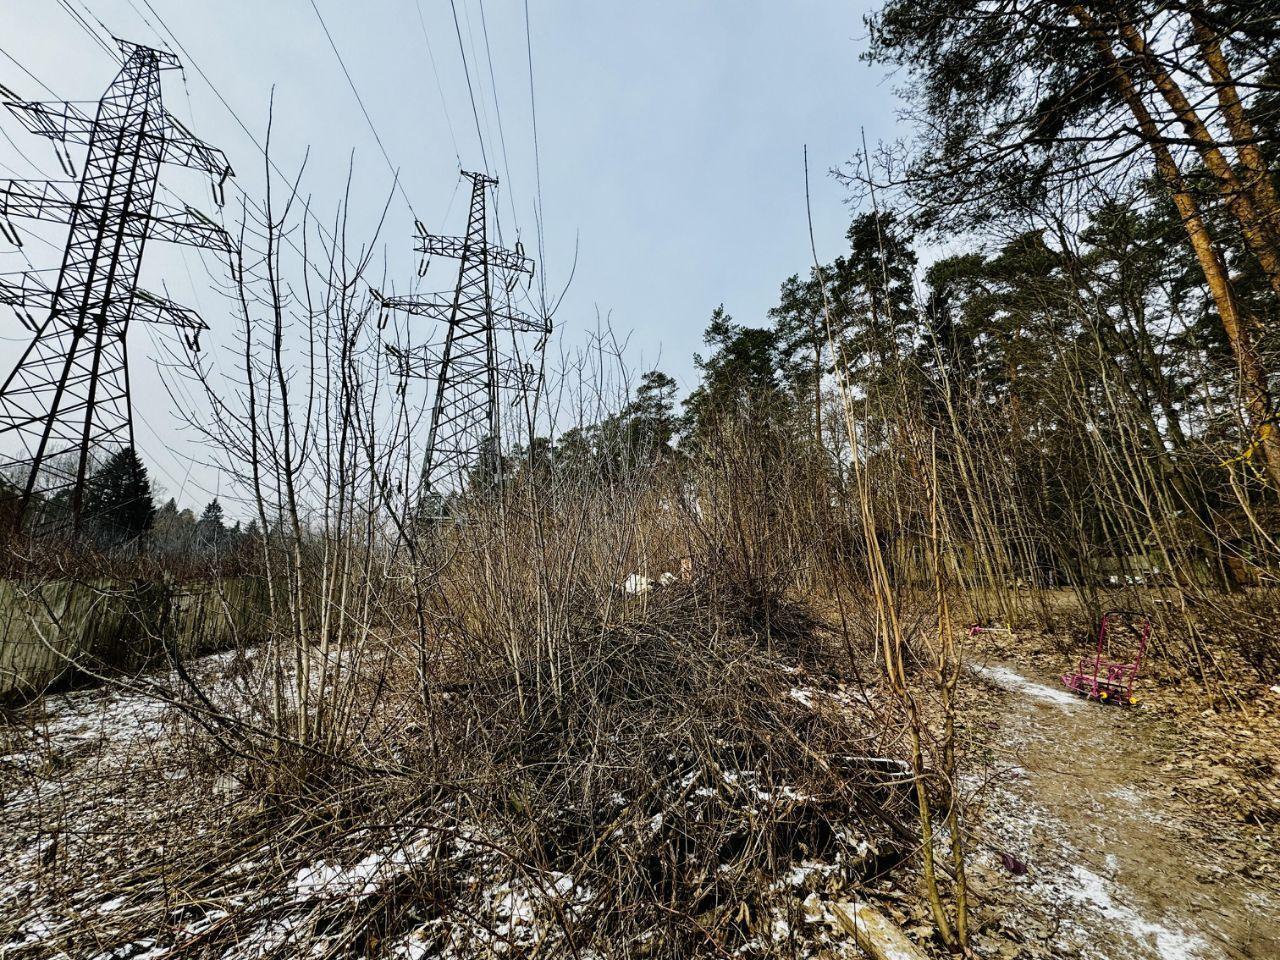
(360, 100)
(84, 25)
(457, 27)
(497, 109)
(22, 153)
(444, 102)
(150, 26)
(40, 83)
(475, 59)
(272, 165)
(537, 160)
(19, 151)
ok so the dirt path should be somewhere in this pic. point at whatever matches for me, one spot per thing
(1117, 866)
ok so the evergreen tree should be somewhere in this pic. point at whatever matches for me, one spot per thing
(800, 322)
(174, 531)
(575, 450)
(636, 437)
(741, 375)
(210, 530)
(117, 499)
(1028, 107)
(873, 287)
(651, 415)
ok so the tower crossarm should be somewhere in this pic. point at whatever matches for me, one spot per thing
(457, 247)
(31, 294)
(521, 322)
(52, 200)
(517, 375)
(441, 308)
(150, 308)
(57, 120)
(420, 362)
(483, 179)
(67, 122)
(436, 308)
(187, 226)
(164, 60)
(187, 150)
(37, 199)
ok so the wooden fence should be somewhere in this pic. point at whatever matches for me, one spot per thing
(48, 629)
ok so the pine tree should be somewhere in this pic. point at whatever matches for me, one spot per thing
(741, 375)
(650, 417)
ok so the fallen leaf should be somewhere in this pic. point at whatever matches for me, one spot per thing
(1013, 864)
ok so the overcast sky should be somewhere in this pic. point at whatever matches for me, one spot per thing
(670, 136)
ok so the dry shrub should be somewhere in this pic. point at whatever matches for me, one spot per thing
(586, 766)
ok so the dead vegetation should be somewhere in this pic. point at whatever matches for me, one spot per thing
(682, 704)
(633, 697)
(675, 790)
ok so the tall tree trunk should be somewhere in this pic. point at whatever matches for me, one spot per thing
(1252, 372)
(1258, 177)
(1256, 225)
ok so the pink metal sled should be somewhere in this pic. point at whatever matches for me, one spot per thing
(1108, 680)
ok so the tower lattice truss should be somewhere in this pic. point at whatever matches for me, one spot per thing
(471, 370)
(67, 401)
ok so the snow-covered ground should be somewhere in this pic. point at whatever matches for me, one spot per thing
(95, 764)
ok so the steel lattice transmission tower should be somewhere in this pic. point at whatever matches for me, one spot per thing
(470, 370)
(67, 400)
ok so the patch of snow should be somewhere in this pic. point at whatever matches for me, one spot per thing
(636, 584)
(115, 903)
(1127, 794)
(747, 782)
(1170, 943)
(1015, 682)
(413, 947)
(512, 904)
(780, 929)
(565, 889)
(803, 696)
(265, 940)
(36, 930)
(146, 949)
(800, 874)
(325, 881)
(814, 909)
(196, 927)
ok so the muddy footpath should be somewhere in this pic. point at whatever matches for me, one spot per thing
(1088, 840)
